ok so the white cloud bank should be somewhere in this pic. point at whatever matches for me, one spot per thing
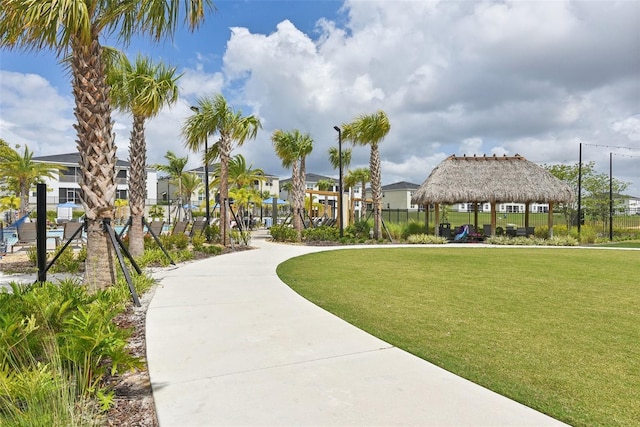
(534, 78)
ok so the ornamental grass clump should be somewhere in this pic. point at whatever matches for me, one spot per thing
(58, 343)
(426, 239)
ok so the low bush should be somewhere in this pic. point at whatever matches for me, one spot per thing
(532, 241)
(425, 239)
(413, 228)
(66, 261)
(359, 230)
(283, 233)
(321, 234)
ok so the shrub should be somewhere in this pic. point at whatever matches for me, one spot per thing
(198, 242)
(320, 234)
(532, 241)
(32, 255)
(66, 262)
(283, 233)
(413, 228)
(360, 229)
(241, 237)
(212, 233)
(393, 229)
(180, 241)
(426, 239)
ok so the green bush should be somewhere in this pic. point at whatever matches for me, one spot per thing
(413, 227)
(198, 242)
(283, 233)
(212, 233)
(532, 241)
(321, 234)
(360, 229)
(66, 262)
(426, 239)
(180, 241)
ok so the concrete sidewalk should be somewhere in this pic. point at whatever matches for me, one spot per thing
(229, 344)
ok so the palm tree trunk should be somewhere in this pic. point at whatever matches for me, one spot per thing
(363, 207)
(225, 154)
(301, 195)
(24, 199)
(376, 190)
(297, 205)
(97, 159)
(137, 185)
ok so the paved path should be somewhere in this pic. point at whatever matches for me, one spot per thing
(229, 344)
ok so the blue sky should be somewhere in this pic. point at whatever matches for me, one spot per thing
(486, 77)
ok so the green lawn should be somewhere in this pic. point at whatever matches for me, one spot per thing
(555, 329)
(623, 244)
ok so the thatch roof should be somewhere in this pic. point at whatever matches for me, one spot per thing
(491, 179)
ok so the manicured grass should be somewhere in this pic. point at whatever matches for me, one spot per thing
(555, 329)
(625, 244)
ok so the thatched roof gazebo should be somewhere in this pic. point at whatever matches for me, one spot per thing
(492, 179)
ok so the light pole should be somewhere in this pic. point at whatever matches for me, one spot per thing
(340, 180)
(206, 173)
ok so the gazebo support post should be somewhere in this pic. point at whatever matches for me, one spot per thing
(475, 215)
(550, 221)
(426, 217)
(526, 214)
(493, 218)
(436, 228)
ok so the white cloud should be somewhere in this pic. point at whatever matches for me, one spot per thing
(503, 77)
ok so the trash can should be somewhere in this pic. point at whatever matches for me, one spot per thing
(444, 230)
(267, 222)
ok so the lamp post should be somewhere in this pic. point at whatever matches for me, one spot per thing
(206, 173)
(340, 180)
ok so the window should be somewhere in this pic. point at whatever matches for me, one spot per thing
(121, 194)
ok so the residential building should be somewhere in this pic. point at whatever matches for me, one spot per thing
(66, 186)
(632, 205)
(397, 196)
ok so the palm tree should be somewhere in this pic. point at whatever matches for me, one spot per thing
(19, 173)
(325, 185)
(143, 89)
(334, 159)
(292, 147)
(190, 183)
(73, 28)
(350, 181)
(371, 130)
(175, 169)
(214, 115)
(362, 176)
(240, 175)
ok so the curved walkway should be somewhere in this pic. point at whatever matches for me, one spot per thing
(229, 344)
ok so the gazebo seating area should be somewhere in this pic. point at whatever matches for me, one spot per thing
(491, 179)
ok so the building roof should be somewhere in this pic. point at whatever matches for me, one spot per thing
(402, 185)
(491, 179)
(71, 158)
(311, 177)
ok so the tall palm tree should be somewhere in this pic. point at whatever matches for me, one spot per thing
(325, 185)
(19, 173)
(214, 115)
(73, 29)
(350, 181)
(334, 159)
(292, 147)
(370, 130)
(190, 183)
(241, 174)
(174, 168)
(143, 89)
(362, 176)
